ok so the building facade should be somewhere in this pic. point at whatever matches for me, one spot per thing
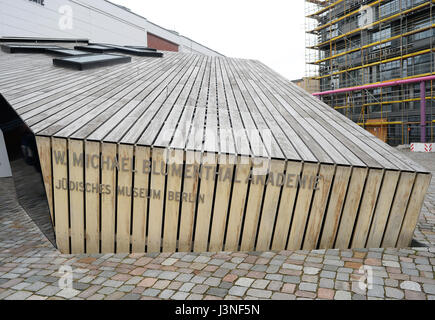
(97, 20)
(379, 50)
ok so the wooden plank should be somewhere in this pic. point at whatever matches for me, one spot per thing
(60, 180)
(319, 206)
(238, 202)
(222, 202)
(253, 206)
(76, 196)
(350, 210)
(190, 186)
(398, 210)
(303, 202)
(270, 206)
(173, 199)
(140, 203)
(416, 201)
(207, 189)
(367, 209)
(383, 206)
(124, 201)
(44, 152)
(156, 199)
(286, 207)
(92, 181)
(108, 197)
(335, 206)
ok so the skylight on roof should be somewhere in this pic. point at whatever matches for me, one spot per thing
(141, 48)
(137, 52)
(90, 61)
(94, 48)
(67, 52)
(27, 48)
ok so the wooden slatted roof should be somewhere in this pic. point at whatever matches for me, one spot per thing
(191, 102)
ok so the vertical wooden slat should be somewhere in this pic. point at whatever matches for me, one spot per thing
(335, 206)
(253, 207)
(382, 210)
(319, 206)
(350, 209)
(44, 151)
(92, 181)
(156, 200)
(302, 209)
(222, 201)
(285, 211)
(108, 197)
(124, 194)
(175, 173)
(270, 206)
(60, 177)
(366, 211)
(414, 207)
(140, 203)
(76, 170)
(238, 202)
(406, 183)
(190, 185)
(208, 171)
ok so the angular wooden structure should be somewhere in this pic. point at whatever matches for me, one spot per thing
(193, 153)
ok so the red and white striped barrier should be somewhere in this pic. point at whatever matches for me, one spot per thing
(422, 147)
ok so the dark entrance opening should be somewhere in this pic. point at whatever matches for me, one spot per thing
(26, 170)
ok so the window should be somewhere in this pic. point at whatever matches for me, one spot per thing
(90, 61)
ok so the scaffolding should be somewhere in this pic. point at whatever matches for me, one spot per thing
(355, 43)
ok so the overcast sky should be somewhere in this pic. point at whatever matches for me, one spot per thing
(270, 31)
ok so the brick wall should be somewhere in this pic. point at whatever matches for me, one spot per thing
(160, 43)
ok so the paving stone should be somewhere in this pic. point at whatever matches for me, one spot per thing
(414, 295)
(342, 295)
(169, 262)
(20, 295)
(244, 282)
(429, 288)
(131, 296)
(168, 275)
(260, 284)
(288, 288)
(376, 291)
(292, 279)
(180, 296)
(311, 271)
(323, 293)
(212, 282)
(274, 277)
(410, 285)
(304, 286)
(326, 283)
(187, 287)
(200, 288)
(328, 274)
(48, 291)
(217, 292)
(394, 293)
(263, 294)
(237, 291)
(68, 293)
(283, 296)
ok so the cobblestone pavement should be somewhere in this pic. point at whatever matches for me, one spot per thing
(30, 268)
